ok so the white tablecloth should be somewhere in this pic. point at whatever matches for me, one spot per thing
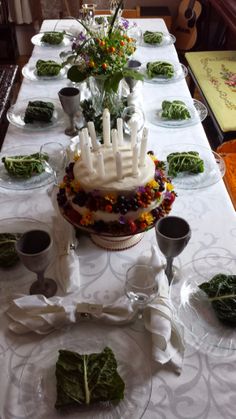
(206, 387)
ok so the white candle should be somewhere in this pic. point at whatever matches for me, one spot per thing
(106, 124)
(92, 133)
(143, 148)
(100, 165)
(88, 158)
(86, 136)
(135, 160)
(119, 123)
(114, 139)
(82, 143)
(119, 165)
(134, 133)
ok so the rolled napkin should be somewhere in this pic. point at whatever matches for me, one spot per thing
(67, 261)
(167, 335)
(41, 315)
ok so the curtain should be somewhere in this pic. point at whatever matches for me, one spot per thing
(19, 11)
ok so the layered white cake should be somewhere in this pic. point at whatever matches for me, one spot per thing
(116, 188)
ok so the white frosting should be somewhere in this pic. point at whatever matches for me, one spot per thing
(110, 182)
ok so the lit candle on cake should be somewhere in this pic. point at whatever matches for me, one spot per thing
(100, 165)
(88, 158)
(92, 133)
(119, 123)
(114, 139)
(135, 161)
(143, 148)
(106, 124)
(119, 171)
(134, 132)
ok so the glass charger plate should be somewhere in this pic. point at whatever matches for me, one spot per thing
(180, 72)
(191, 307)
(214, 167)
(30, 73)
(12, 279)
(37, 393)
(168, 39)
(197, 110)
(36, 40)
(36, 181)
(16, 113)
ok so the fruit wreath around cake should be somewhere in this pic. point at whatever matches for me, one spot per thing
(116, 187)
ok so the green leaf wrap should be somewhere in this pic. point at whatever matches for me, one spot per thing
(186, 161)
(86, 379)
(8, 255)
(175, 110)
(152, 37)
(221, 292)
(48, 68)
(160, 68)
(53, 38)
(25, 166)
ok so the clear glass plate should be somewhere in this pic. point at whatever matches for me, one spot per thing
(214, 167)
(16, 113)
(180, 72)
(36, 40)
(202, 328)
(37, 393)
(197, 110)
(16, 277)
(168, 39)
(30, 73)
(36, 181)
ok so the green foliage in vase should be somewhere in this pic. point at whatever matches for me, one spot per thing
(221, 292)
(86, 379)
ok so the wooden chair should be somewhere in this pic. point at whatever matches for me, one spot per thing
(127, 13)
(227, 151)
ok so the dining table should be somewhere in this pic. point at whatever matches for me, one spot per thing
(204, 387)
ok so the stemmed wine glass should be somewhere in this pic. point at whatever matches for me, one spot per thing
(135, 65)
(70, 101)
(140, 286)
(35, 250)
(172, 234)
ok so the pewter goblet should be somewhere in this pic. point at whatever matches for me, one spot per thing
(135, 65)
(172, 234)
(70, 101)
(35, 249)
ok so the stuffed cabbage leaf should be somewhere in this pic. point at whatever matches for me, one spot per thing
(160, 68)
(221, 292)
(53, 38)
(38, 110)
(186, 161)
(47, 68)
(8, 255)
(175, 110)
(85, 379)
(151, 37)
(25, 166)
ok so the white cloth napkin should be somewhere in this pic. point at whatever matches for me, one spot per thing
(41, 315)
(167, 335)
(67, 261)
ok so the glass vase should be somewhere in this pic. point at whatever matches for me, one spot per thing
(102, 98)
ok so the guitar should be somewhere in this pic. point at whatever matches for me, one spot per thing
(185, 29)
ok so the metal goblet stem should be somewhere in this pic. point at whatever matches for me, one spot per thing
(35, 249)
(135, 65)
(172, 234)
(70, 101)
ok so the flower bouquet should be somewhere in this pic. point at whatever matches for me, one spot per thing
(100, 54)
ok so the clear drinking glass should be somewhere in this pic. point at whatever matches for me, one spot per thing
(172, 234)
(56, 156)
(35, 250)
(132, 114)
(140, 286)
